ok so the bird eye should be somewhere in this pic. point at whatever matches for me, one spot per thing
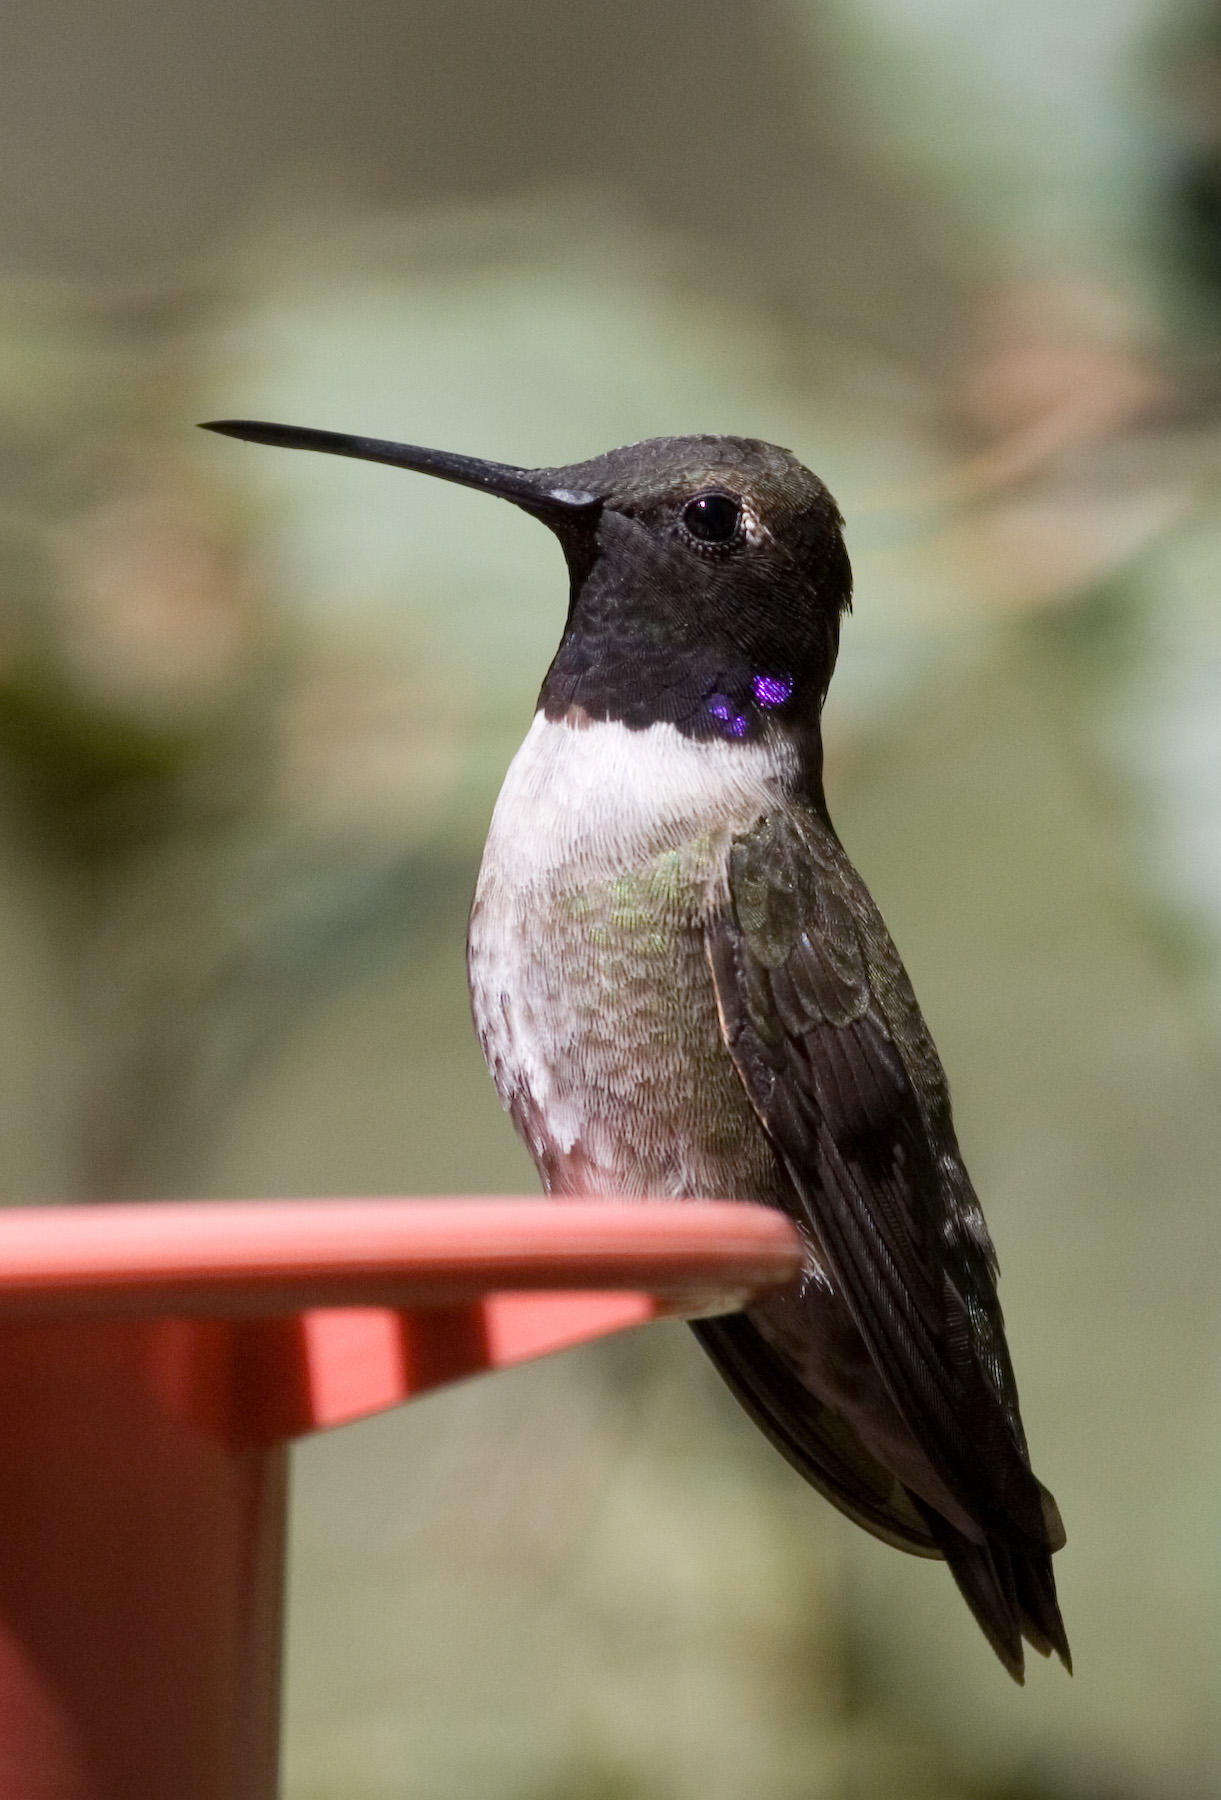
(713, 519)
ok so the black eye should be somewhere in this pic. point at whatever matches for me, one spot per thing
(714, 519)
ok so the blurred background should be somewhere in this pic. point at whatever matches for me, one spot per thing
(963, 257)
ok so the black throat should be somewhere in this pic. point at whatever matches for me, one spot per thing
(645, 644)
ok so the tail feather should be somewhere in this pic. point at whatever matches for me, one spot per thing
(1011, 1594)
(1039, 1608)
(1011, 1591)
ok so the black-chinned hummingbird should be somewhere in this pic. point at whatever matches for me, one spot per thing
(683, 989)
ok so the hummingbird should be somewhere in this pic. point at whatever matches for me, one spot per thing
(684, 990)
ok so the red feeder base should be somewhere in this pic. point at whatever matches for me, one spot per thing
(154, 1362)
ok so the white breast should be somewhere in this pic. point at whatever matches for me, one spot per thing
(594, 797)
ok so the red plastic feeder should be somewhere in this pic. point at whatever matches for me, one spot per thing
(155, 1361)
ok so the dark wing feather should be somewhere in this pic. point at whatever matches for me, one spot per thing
(826, 1034)
(821, 1446)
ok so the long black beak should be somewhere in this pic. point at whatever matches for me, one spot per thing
(533, 489)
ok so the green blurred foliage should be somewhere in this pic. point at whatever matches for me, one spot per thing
(254, 710)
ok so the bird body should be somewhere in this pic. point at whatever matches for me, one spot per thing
(683, 989)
